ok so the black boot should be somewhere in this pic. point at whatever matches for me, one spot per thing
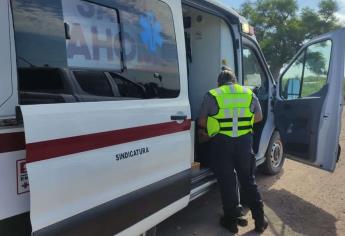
(242, 221)
(261, 225)
(261, 222)
(229, 223)
(240, 217)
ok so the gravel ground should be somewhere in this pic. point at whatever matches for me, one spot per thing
(301, 200)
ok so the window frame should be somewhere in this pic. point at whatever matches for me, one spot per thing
(303, 50)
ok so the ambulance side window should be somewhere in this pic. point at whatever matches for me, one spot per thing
(151, 49)
(94, 83)
(94, 51)
(41, 53)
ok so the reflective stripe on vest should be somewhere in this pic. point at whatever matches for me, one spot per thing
(234, 117)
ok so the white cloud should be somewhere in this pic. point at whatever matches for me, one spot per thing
(341, 13)
(341, 18)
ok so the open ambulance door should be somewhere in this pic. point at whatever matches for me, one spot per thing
(120, 163)
(310, 102)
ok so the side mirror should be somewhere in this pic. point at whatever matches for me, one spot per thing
(292, 89)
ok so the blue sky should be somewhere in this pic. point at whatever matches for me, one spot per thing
(302, 3)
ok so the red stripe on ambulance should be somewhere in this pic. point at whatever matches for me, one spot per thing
(60, 147)
(10, 142)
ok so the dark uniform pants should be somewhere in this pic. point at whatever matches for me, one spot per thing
(229, 154)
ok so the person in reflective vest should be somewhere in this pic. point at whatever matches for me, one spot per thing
(226, 119)
(234, 117)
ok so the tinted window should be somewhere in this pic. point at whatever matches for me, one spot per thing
(127, 88)
(39, 33)
(308, 74)
(94, 83)
(74, 37)
(93, 35)
(150, 46)
(40, 80)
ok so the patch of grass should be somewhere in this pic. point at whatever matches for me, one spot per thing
(313, 84)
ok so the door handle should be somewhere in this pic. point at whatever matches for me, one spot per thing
(178, 117)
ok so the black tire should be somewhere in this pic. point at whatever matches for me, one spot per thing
(339, 152)
(151, 232)
(274, 156)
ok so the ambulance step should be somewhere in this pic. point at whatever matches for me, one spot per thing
(202, 181)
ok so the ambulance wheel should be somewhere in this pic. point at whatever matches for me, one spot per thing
(151, 232)
(274, 156)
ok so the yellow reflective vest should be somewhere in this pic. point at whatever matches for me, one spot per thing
(234, 117)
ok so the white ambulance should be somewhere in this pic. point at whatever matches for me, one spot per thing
(99, 100)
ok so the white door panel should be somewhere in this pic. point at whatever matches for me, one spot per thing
(330, 126)
(63, 186)
(85, 180)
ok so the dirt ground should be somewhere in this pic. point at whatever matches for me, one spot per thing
(301, 200)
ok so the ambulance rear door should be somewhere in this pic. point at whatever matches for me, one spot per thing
(309, 105)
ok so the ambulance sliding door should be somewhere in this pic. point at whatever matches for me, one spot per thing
(106, 113)
(309, 109)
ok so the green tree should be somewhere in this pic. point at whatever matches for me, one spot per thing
(281, 28)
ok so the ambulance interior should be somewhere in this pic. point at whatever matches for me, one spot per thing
(209, 46)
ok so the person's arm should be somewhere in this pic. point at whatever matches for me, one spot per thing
(258, 117)
(256, 109)
(206, 109)
(202, 133)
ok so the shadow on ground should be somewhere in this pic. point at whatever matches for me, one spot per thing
(296, 214)
(199, 218)
(287, 213)
(266, 182)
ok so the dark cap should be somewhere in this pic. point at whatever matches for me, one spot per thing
(226, 68)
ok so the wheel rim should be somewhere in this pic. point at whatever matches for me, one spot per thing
(276, 154)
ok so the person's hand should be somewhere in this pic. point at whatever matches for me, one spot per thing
(256, 90)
